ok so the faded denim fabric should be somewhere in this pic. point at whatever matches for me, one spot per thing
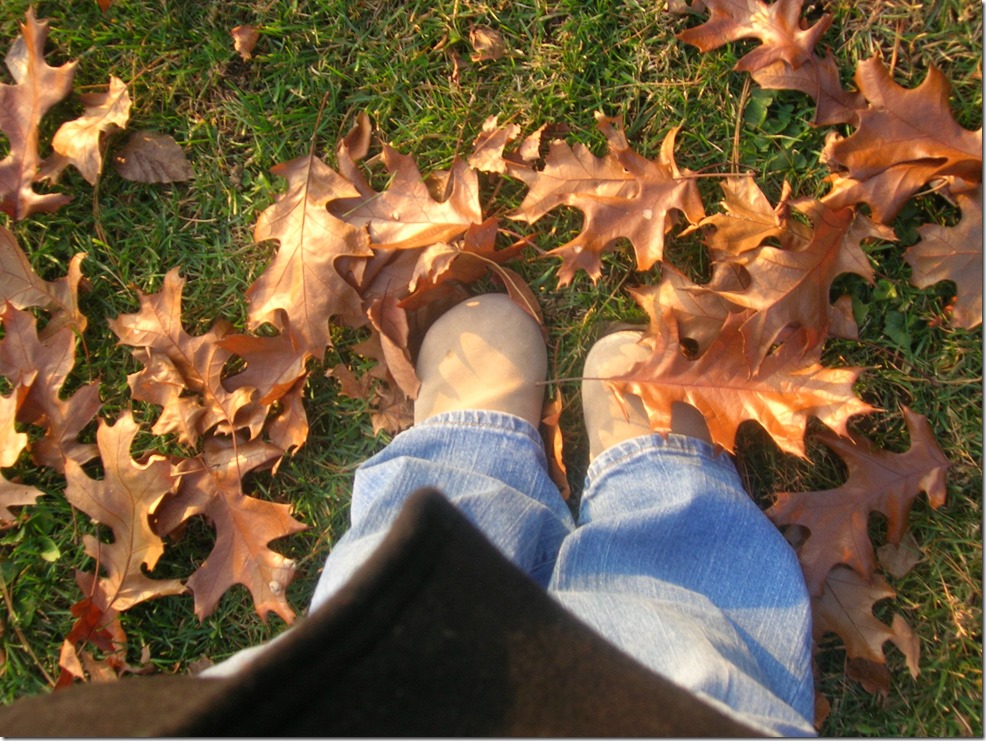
(669, 559)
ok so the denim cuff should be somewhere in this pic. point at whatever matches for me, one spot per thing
(655, 444)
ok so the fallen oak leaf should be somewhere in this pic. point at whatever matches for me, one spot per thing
(568, 170)
(124, 500)
(781, 395)
(287, 428)
(777, 25)
(23, 288)
(748, 219)
(955, 254)
(845, 608)
(818, 77)
(152, 157)
(37, 88)
(551, 435)
(789, 288)
(176, 363)
(926, 144)
(899, 558)
(879, 481)
(698, 310)
(412, 275)
(622, 195)
(407, 215)
(212, 485)
(12, 443)
(42, 366)
(487, 151)
(78, 143)
(94, 626)
(391, 324)
(273, 364)
(303, 280)
(487, 43)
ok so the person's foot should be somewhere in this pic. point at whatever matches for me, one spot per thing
(607, 420)
(485, 353)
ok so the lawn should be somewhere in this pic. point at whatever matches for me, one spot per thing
(317, 65)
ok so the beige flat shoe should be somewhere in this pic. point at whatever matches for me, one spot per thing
(484, 353)
(607, 420)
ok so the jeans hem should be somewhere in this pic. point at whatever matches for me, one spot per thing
(656, 444)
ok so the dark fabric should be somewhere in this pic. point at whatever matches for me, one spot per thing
(437, 635)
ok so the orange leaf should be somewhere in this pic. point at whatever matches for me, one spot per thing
(879, 481)
(244, 40)
(124, 500)
(789, 289)
(846, 609)
(41, 368)
(22, 288)
(955, 254)
(407, 215)
(303, 281)
(37, 87)
(904, 140)
(11, 445)
(623, 195)
(211, 485)
(78, 142)
(777, 25)
(819, 78)
(781, 395)
(176, 363)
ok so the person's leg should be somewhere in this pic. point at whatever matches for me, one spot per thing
(474, 439)
(674, 564)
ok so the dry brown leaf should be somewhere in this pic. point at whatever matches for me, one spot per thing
(78, 143)
(551, 434)
(899, 558)
(12, 442)
(244, 40)
(94, 627)
(302, 288)
(905, 139)
(184, 374)
(786, 390)
(777, 25)
(698, 310)
(390, 321)
(789, 288)
(41, 367)
(846, 609)
(37, 87)
(407, 214)
(623, 195)
(955, 254)
(273, 364)
(212, 485)
(569, 170)
(819, 78)
(124, 500)
(748, 219)
(879, 481)
(487, 150)
(152, 157)
(22, 288)
(487, 43)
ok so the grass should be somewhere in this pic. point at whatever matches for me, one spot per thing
(566, 60)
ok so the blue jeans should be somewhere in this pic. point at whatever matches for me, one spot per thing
(668, 559)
